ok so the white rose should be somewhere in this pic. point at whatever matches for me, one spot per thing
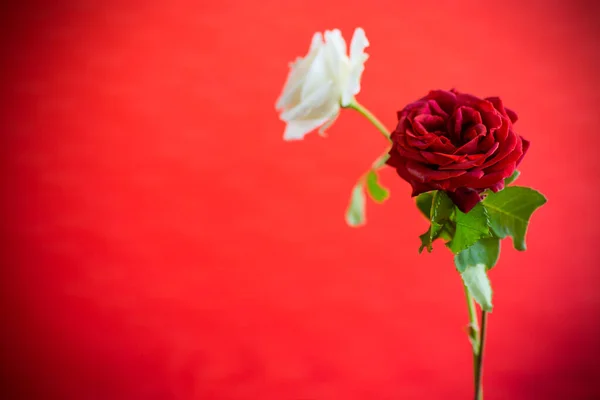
(322, 82)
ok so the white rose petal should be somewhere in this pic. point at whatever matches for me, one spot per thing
(357, 65)
(321, 82)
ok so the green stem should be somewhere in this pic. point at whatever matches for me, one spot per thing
(474, 338)
(372, 118)
(479, 360)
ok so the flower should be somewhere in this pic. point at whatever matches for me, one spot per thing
(318, 84)
(457, 143)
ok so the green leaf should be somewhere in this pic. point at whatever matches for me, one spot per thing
(355, 214)
(470, 227)
(512, 178)
(424, 202)
(510, 211)
(478, 284)
(485, 251)
(377, 192)
(440, 211)
(426, 241)
(435, 231)
(441, 207)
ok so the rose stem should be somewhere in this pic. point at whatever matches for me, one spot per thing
(479, 362)
(473, 333)
(372, 118)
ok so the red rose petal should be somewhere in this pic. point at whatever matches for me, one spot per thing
(445, 99)
(465, 198)
(394, 160)
(425, 174)
(512, 115)
(426, 123)
(454, 124)
(397, 162)
(473, 160)
(497, 103)
(442, 144)
(410, 154)
(492, 118)
(471, 115)
(525, 144)
(436, 109)
(471, 146)
(490, 179)
(502, 132)
(466, 180)
(440, 159)
(511, 158)
(505, 148)
(486, 143)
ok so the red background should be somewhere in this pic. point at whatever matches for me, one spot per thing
(161, 241)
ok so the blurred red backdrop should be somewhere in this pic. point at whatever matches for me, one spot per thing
(161, 241)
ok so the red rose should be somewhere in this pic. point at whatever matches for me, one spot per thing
(457, 143)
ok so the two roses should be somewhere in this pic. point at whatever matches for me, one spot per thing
(448, 141)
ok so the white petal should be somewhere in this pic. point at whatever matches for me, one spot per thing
(338, 64)
(291, 92)
(298, 70)
(296, 130)
(358, 44)
(316, 42)
(357, 60)
(335, 38)
(315, 105)
(317, 73)
(327, 125)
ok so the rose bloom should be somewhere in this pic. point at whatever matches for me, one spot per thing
(322, 82)
(457, 143)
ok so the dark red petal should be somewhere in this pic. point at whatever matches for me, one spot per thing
(441, 144)
(492, 119)
(486, 143)
(466, 180)
(454, 125)
(418, 141)
(418, 188)
(410, 153)
(395, 160)
(512, 115)
(525, 144)
(426, 123)
(510, 158)
(498, 186)
(445, 99)
(436, 109)
(505, 148)
(501, 133)
(471, 115)
(469, 162)
(473, 160)
(497, 103)
(440, 159)
(403, 123)
(425, 174)
(489, 180)
(472, 145)
(465, 198)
